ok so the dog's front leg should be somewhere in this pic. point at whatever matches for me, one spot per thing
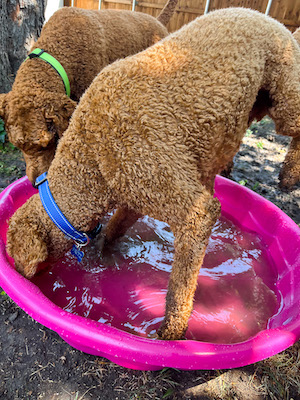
(191, 238)
(117, 226)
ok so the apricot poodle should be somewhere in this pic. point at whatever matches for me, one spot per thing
(151, 133)
(290, 171)
(37, 110)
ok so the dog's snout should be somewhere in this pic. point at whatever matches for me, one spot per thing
(31, 174)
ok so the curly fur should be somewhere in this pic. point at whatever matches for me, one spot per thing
(151, 133)
(37, 110)
(290, 172)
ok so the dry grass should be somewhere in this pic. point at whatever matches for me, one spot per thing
(277, 378)
(280, 375)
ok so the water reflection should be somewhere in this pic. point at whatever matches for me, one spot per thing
(126, 288)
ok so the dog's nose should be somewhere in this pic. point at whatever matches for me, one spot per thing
(31, 175)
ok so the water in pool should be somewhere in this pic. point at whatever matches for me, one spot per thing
(126, 288)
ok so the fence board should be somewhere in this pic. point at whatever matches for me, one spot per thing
(285, 11)
(259, 5)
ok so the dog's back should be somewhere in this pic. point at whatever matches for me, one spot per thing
(87, 40)
(195, 89)
(37, 110)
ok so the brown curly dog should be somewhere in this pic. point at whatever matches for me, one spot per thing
(151, 133)
(37, 110)
(290, 171)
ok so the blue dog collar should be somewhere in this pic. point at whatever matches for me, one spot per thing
(81, 238)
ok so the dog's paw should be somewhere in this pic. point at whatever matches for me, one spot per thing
(172, 331)
(99, 243)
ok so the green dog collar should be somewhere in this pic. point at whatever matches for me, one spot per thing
(39, 53)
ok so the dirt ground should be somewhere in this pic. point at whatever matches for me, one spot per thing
(36, 363)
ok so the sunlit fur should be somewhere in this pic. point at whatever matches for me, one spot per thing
(151, 133)
(37, 110)
(290, 171)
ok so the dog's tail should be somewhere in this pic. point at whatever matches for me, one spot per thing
(167, 12)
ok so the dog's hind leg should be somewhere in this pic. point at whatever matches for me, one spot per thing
(284, 92)
(285, 112)
(192, 232)
(290, 171)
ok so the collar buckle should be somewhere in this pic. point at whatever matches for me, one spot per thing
(38, 182)
(80, 244)
(36, 55)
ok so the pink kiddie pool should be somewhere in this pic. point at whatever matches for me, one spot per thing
(246, 305)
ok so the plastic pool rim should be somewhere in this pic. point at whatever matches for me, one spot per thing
(134, 352)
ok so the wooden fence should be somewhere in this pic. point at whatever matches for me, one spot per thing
(285, 11)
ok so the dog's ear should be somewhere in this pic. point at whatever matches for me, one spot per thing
(45, 137)
(69, 106)
(26, 246)
(3, 98)
(58, 114)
